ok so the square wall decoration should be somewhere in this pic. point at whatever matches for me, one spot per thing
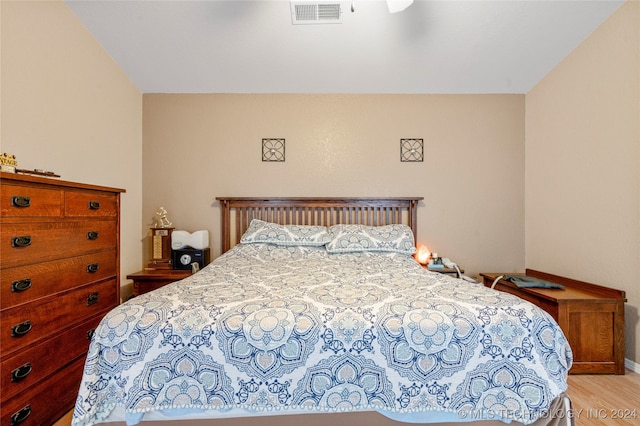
(411, 150)
(273, 149)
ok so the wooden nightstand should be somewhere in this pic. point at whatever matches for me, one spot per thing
(150, 279)
(591, 317)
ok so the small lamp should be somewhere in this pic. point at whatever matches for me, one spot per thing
(423, 254)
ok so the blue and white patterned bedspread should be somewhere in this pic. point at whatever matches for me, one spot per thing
(290, 329)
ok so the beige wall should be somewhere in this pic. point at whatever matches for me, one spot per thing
(582, 165)
(197, 147)
(67, 107)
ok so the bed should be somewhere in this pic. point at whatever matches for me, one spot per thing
(317, 313)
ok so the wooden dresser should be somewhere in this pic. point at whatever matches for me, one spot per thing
(60, 263)
(590, 315)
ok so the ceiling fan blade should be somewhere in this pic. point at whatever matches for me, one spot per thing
(398, 5)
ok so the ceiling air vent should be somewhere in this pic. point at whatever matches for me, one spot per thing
(315, 13)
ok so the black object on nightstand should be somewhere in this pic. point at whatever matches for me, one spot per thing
(184, 257)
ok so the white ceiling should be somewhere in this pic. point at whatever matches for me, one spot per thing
(252, 47)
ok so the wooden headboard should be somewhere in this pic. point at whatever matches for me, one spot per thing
(237, 213)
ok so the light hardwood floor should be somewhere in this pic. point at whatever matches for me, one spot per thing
(606, 399)
(597, 400)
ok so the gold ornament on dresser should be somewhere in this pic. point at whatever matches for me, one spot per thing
(8, 163)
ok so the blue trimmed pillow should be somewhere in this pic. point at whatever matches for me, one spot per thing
(360, 238)
(260, 231)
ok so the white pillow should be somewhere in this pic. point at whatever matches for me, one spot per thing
(285, 235)
(359, 238)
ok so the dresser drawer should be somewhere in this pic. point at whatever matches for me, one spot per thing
(25, 324)
(47, 401)
(90, 204)
(39, 361)
(28, 243)
(24, 284)
(27, 201)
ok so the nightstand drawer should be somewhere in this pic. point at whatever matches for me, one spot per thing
(152, 279)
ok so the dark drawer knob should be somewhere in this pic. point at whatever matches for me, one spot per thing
(21, 285)
(20, 201)
(21, 372)
(21, 241)
(90, 333)
(92, 299)
(92, 235)
(92, 268)
(21, 329)
(20, 416)
(94, 205)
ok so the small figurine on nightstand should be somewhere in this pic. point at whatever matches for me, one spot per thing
(162, 221)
